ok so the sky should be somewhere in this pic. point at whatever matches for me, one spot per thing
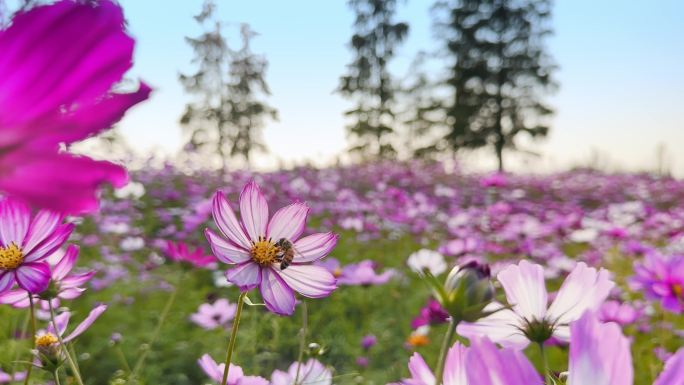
(620, 73)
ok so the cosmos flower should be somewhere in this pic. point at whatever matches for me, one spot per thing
(431, 314)
(585, 288)
(26, 243)
(252, 246)
(47, 341)
(181, 252)
(368, 341)
(427, 260)
(63, 283)
(59, 96)
(235, 375)
(310, 372)
(212, 316)
(6, 378)
(661, 277)
(621, 313)
(364, 274)
(454, 369)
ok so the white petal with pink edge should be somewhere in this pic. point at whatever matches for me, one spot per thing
(246, 276)
(44, 223)
(224, 250)
(90, 319)
(50, 244)
(279, 298)
(253, 211)
(288, 222)
(227, 221)
(500, 327)
(525, 289)
(314, 247)
(66, 263)
(14, 221)
(584, 289)
(420, 371)
(309, 280)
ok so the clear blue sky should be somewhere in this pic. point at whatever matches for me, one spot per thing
(621, 75)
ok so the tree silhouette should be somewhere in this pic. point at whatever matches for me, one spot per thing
(498, 73)
(368, 80)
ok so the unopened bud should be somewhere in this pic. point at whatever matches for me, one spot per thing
(467, 290)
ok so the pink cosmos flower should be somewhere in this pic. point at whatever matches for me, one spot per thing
(364, 274)
(47, 339)
(585, 288)
(212, 316)
(661, 278)
(58, 65)
(181, 252)
(6, 378)
(64, 284)
(253, 246)
(310, 372)
(26, 243)
(235, 375)
(621, 313)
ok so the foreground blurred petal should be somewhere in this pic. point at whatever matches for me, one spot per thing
(673, 374)
(487, 365)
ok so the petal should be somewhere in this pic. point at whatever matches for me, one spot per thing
(314, 247)
(673, 373)
(309, 280)
(246, 276)
(584, 289)
(44, 223)
(62, 322)
(14, 221)
(33, 277)
(14, 297)
(254, 211)
(50, 244)
(224, 250)
(227, 221)
(279, 298)
(70, 293)
(420, 371)
(65, 264)
(6, 281)
(288, 222)
(75, 280)
(455, 366)
(210, 368)
(488, 365)
(500, 327)
(525, 289)
(83, 326)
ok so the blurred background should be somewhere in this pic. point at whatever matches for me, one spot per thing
(583, 83)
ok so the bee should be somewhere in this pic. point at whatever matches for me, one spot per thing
(286, 253)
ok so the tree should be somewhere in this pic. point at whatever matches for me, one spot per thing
(368, 80)
(228, 115)
(499, 71)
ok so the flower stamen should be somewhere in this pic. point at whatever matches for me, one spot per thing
(46, 340)
(264, 252)
(11, 257)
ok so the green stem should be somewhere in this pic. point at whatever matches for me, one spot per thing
(32, 313)
(122, 358)
(302, 339)
(233, 337)
(157, 330)
(439, 372)
(545, 362)
(62, 346)
(55, 375)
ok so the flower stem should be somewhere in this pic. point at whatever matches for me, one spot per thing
(55, 375)
(545, 362)
(439, 372)
(62, 346)
(302, 339)
(233, 337)
(32, 314)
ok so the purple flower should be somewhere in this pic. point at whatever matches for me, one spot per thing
(585, 288)
(363, 274)
(235, 375)
(26, 243)
(661, 278)
(621, 313)
(60, 96)
(431, 314)
(253, 246)
(181, 252)
(212, 316)
(310, 372)
(368, 341)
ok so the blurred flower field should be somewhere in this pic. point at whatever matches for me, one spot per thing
(169, 302)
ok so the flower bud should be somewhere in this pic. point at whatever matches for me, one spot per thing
(467, 290)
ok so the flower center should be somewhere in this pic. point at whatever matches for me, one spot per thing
(45, 340)
(678, 290)
(264, 252)
(11, 257)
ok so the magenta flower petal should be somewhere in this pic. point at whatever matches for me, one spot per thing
(50, 244)
(83, 326)
(314, 247)
(224, 250)
(673, 373)
(309, 280)
(227, 222)
(288, 222)
(33, 277)
(13, 297)
(66, 263)
(246, 276)
(279, 298)
(14, 221)
(254, 211)
(6, 281)
(44, 223)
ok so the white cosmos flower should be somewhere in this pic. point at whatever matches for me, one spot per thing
(429, 260)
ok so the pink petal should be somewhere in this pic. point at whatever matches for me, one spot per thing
(673, 373)
(455, 367)
(254, 211)
(33, 277)
(65, 264)
(14, 221)
(13, 297)
(227, 221)
(525, 289)
(278, 297)
(487, 365)
(50, 244)
(500, 327)
(309, 280)
(75, 280)
(71, 293)
(62, 322)
(420, 371)
(314, 247)
(44, 223)
(83, 326)
(6, 281)
(210, 368)
(224, 250)
(288, 222)
(246, 276)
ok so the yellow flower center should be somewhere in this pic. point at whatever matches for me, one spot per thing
(46, 340)
(678, 290)
(264, 252)
(11, 257)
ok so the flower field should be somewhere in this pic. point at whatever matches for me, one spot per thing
(168, 299)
